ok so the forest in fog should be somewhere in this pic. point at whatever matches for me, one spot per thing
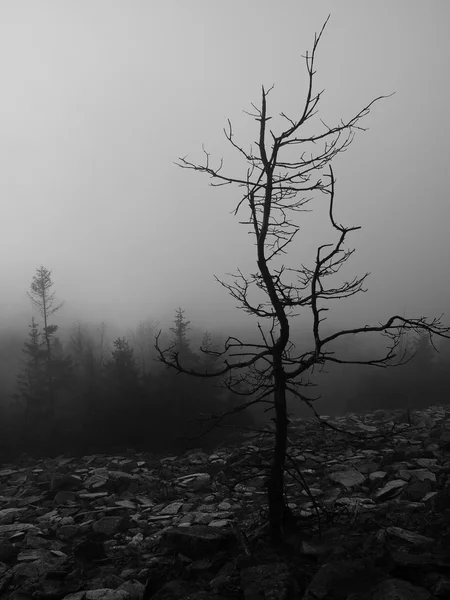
(85, 388)
(92, 140)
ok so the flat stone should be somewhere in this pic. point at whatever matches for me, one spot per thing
(314, 491)
(197, 541)
(203, 518)
(65, 498)
(189, 518)
(368, 467)
(409, 536)
(390, 490)
(348, 479)
(422, 474)
(429, 496)
(171, 509)
(365, 503)
(219, 523)
(108, 525)
(426, 462)
(197, 481)
(8, 515)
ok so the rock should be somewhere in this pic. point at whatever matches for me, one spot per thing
(108, 525)
(172, 509)
(427, 463)
(186, 520)
(422, 475)
(269, 581)
(197, 541)
(172, 590)
(100, 594)
(360, 503)
(105, 519)
(379, 415)
(429, 496)
(65, 497)
(441, 501)
(409, 536)
(8, 552)
(390, 490)
(219, 523)
(196, 481)
(368, 467)
(9, 515)
(419, 563)
(398, 589)
(198, 458)
(341, 579)
(348, 479)
(97, 480)
(88, 551)
(135, 589)
(418, 490)
(441, 587)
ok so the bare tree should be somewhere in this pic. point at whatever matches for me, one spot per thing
(283, 171)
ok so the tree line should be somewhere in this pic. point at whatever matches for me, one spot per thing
(83, 395)
(88, 392)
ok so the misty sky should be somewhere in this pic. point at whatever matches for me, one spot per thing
(100, 97)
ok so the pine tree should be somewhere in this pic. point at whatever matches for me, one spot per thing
(123, 363)
(180, 329)
(123, 373)
(43, 300)
(123, 393)
(32, 380)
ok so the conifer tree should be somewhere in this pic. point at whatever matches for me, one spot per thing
(181, 344)
(32, 380)
(123, 362)
(43, 300)
(180, 329)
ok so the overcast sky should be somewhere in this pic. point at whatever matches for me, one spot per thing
(100, 97)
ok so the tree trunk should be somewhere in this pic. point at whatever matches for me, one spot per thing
(275, 489)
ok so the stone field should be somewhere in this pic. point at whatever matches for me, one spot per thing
(370, 493)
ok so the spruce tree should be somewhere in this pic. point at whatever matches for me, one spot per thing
(32, 380)
(180, 329)
(43, 300)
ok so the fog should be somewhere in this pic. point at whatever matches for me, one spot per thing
(99, 99)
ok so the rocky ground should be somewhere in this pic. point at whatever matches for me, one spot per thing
(371, 493)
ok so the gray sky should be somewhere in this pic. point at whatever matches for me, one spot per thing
(100, 97)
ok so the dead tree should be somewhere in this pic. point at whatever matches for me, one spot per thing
(283, 171)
